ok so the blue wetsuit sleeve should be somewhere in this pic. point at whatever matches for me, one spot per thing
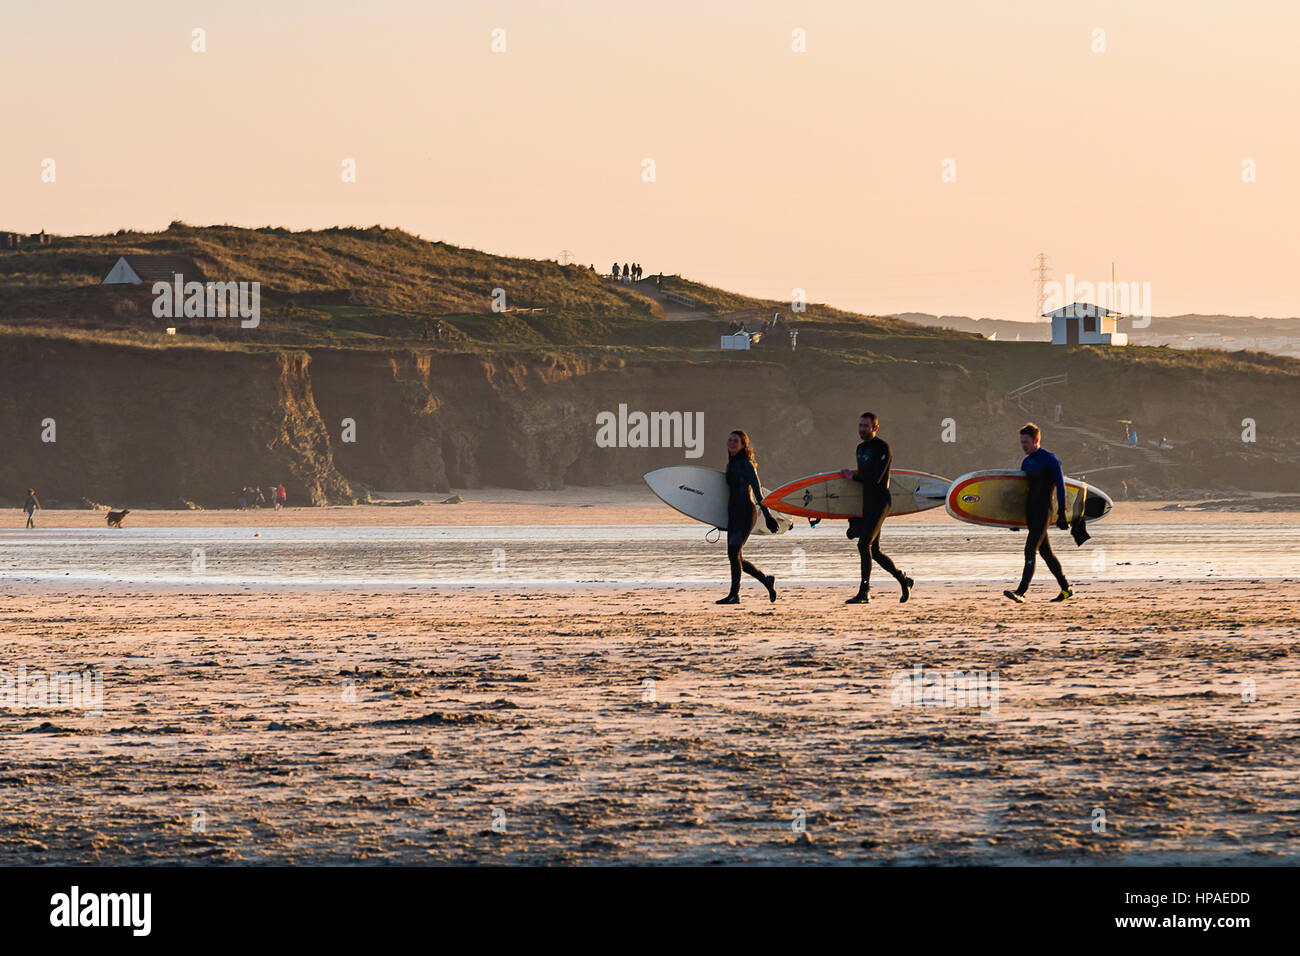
(1059, 477)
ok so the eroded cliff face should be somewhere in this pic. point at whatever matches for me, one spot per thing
(159, 427)
(141, 427)
(432, 423)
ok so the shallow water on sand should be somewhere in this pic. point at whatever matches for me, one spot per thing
(637, 554)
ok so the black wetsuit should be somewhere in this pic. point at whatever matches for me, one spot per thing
(1045, 477)
(874, 461)
(742, 479)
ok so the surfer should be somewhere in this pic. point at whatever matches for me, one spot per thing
(1045, 475)
(30, 506)
(745, 490)
(874, 460)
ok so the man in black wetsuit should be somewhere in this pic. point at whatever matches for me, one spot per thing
(874, 461)
(742, 481)
(1045, 477)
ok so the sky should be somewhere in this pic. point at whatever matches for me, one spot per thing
(912, 156)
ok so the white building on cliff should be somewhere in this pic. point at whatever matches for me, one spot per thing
(1082, 323)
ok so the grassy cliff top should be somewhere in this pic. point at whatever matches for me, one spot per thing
(374, 270)
(370, 288)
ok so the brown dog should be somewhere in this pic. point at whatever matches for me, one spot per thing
(115, 518)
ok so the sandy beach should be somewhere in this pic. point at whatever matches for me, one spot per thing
(619, 505)
(1146, 721)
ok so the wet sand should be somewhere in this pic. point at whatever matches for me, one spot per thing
(633, 724)
(389, 727)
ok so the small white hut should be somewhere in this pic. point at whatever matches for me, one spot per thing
(135, 269)
(1082, 323)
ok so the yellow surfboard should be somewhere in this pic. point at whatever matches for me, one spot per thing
(999, 497)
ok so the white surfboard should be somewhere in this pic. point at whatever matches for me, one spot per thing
(702, 494)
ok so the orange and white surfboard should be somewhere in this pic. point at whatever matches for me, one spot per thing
(830, 496)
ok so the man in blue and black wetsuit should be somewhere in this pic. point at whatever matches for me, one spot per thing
(874, 461)
(1045, 478)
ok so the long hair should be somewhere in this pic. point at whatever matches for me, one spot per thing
(746, 448)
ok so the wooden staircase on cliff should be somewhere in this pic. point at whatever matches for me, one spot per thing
(1147, 454)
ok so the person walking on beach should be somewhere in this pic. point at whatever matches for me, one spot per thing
(31, 506)
(874, 462)
(746, 493)
(1045, 477)
(280, 496)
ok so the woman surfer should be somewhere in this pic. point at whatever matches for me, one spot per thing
(745, 495)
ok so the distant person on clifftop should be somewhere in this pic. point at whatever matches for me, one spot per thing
(614, 270)
(627, 272)
(31, 506)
